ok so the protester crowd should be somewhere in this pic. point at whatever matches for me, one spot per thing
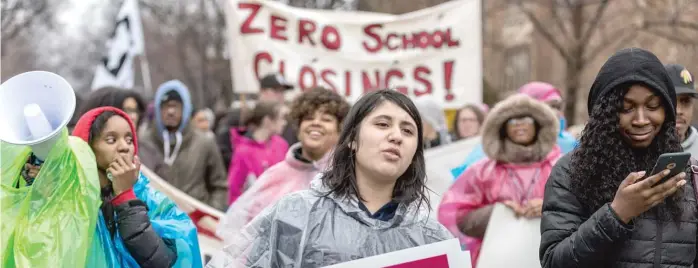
(315, 181)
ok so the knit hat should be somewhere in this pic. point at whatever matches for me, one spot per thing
(631, 66)
(82, 128)
(541, 91)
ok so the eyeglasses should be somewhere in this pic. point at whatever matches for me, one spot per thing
(521, 120)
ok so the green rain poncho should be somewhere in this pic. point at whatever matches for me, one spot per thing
(51, 223)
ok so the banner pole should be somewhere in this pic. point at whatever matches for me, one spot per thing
(145, 73)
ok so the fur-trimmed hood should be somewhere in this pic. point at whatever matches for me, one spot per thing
(519, 105)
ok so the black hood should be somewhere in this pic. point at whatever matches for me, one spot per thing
(634, 66)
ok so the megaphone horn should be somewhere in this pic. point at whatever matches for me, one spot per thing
(34, 108)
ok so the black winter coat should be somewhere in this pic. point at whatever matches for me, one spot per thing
(575, 237)
(131, 220)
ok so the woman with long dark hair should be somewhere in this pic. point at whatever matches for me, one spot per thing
(601, 206)
(372, 201)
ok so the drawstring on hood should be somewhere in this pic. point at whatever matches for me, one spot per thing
(167, 137)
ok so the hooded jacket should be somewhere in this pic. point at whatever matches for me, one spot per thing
(250, 159)
(575, 236)
(144, 229)
(232, 121)
(511, 172)
(291, 175)
(690, 144)
(312, 229)
(196, 167)
(542, 92)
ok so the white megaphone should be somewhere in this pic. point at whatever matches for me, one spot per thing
(34, 108)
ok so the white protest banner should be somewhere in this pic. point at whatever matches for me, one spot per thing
(518, 237)
(444, 254)
(435, 51)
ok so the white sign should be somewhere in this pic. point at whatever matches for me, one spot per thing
(116, 67)
(444, 254)
(435, 51)
(518, 237)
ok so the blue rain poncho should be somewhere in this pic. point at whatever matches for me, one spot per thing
(165, 218)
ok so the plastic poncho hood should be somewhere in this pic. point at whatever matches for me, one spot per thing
(309, 229)
(167, 220)
(50, 223)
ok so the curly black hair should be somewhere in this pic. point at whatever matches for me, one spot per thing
(318, 98)
(603, 159)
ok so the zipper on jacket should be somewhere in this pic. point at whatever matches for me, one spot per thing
(658, 245)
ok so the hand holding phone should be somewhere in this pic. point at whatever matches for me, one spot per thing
(674, 162)
(635, 196)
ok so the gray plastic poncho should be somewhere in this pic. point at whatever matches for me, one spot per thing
(306, 229)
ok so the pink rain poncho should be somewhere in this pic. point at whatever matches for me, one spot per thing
(510, 171)
(288, 176)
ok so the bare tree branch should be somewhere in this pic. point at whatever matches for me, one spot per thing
(627, 36)
(22, 14)
(555, 10)
(672, 38)
(594, 22)
(544, 31)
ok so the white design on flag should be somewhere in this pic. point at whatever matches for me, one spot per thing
(126, 42)
(435, 51)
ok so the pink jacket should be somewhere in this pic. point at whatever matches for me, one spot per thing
(250, 159)
(290, 175)
(511, 171)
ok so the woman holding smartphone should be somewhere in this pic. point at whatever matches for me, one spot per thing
(601, 207)
(372, 201)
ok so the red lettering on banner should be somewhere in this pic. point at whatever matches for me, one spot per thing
(305, 71)
(368, 80)
(258, 58)
(327, 79)
(329, 36)
(305, 28)
(368, 85)
(395, 73)
(347, 84)
(368, 30)
(278, 28)
(246, 27)
(415, 40)
(448, 79)
(419, 74)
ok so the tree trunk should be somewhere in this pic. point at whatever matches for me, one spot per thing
(572, 75)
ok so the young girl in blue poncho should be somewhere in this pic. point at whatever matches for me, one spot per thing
(137, 226)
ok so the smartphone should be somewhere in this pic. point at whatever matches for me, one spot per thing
(674, 162)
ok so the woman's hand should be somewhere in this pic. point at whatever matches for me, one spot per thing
(633, 199)
(124, 171)
(533, 208)
(32, 170)
(518, 210)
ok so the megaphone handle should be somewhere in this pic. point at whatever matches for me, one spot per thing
(35, 160)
